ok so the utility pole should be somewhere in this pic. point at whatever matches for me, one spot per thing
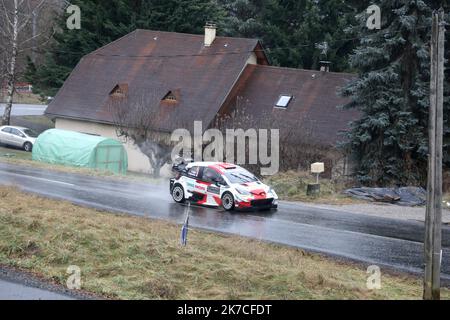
(433, 222)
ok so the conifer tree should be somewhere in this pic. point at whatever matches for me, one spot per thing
(390, 141)
(107, 20)
(290, 30)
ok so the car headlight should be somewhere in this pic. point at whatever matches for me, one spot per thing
(243, 192)
(273, 193)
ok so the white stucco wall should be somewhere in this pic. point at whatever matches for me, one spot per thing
(253, 59)
(137, 161)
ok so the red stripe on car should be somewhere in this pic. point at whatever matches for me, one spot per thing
(244, 204)
(227, 165)
(216, 168)
(217, 200)
(203, 201)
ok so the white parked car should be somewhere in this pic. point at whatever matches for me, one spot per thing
(217, 184)
(18, 137)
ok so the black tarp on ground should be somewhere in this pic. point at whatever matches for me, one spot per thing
(405, 196)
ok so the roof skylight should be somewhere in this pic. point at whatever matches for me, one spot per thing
(283, 101)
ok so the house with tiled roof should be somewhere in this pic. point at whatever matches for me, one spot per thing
(198, 78)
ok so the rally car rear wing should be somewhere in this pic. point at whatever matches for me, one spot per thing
(180, 164)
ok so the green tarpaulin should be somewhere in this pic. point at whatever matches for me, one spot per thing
(80, 150)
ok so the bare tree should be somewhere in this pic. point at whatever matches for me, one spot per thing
(17, 18)
(297, 146)
(136, 119)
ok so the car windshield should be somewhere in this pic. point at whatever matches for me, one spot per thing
(30, 133)
(240, 176)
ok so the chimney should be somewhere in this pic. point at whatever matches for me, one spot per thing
(325, 66)
(210, 33)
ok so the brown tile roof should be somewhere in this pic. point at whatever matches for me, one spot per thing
(144, 60)
(203, 80)
(313, 110)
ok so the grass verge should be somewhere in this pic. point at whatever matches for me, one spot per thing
(136, 258)
(292, 185)
(13, 154)
(20, 157)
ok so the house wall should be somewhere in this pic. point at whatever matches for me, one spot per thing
(253, 59)
(137, 161)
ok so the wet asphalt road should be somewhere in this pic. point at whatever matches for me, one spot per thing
(25, 109)
(17, 291)
(389, 243)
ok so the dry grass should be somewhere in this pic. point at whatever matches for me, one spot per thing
(13, 154)
(24, 98)
(292, 185)
(135, 258)
(19, 157)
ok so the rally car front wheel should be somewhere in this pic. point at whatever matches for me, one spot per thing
(178, 194)
(228, 201)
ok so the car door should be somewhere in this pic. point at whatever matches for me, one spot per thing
(17, 137)
(5, 135)
(212, 178)
(191, 178)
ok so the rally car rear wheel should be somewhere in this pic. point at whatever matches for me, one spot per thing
(178, 194)
(228, 201)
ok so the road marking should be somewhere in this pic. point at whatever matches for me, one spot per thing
(41, 179)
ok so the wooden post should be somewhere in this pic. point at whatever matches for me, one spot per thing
(433, 221)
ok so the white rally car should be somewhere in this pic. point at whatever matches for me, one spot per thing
(218, 184)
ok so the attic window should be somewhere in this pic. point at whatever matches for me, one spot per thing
(119, 91)
(170, 97)
(283, 101)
